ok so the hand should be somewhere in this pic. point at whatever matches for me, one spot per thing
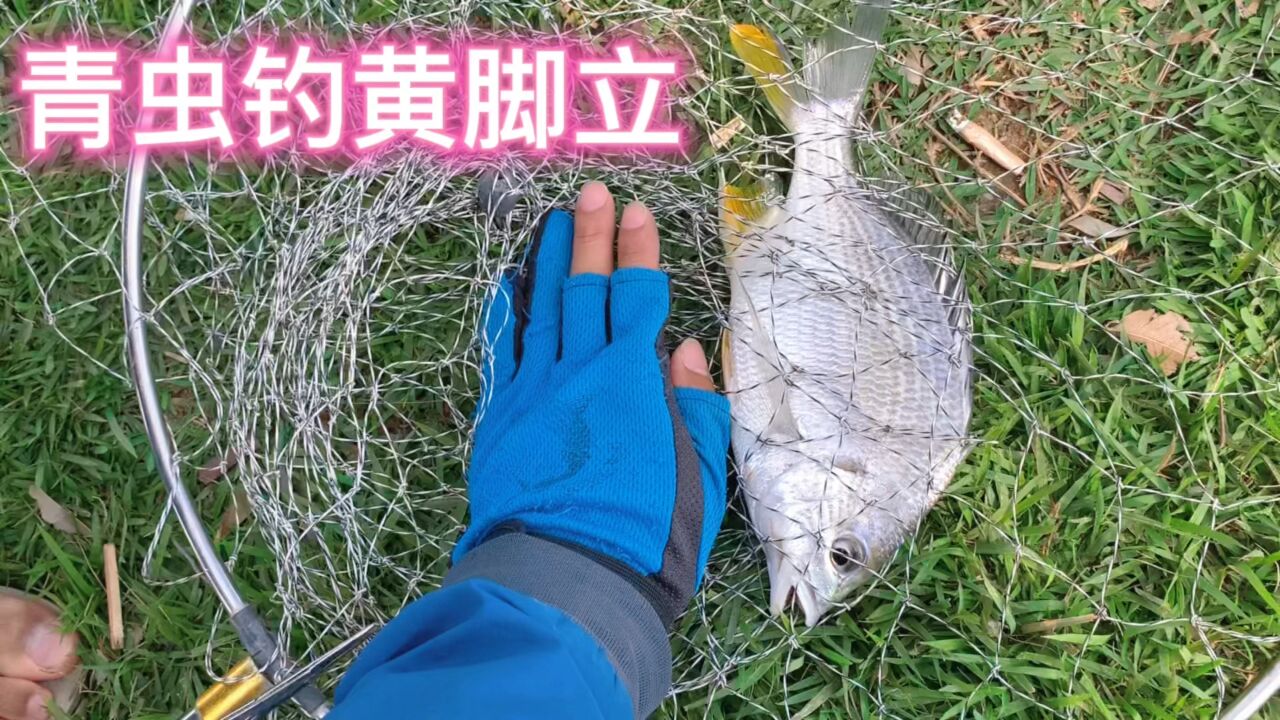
(590, 433)
(32, 650)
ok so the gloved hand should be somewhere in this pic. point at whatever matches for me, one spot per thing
(582, 437)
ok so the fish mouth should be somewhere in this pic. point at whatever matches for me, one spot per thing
(788, 587)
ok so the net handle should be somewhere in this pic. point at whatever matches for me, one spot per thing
(253, 632)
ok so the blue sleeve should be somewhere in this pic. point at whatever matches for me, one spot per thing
(478, 649)
(524, 628)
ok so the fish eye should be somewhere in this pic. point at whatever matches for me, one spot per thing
(848, 554)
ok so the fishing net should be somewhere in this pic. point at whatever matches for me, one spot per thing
(1107, 548)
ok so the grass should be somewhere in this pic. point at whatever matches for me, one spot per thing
(1131, 516)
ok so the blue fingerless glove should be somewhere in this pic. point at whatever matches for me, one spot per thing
(581, 436)
(596, 491)
(583, 449)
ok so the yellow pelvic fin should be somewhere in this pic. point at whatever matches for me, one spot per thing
(767, 62)
(726, 357)
(741, 209)
(743, 206)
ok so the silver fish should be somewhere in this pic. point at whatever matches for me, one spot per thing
(849, 354)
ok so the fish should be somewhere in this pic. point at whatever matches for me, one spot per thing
(848, 353)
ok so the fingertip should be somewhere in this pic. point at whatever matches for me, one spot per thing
(593, 231)
(635, 215)
(637, 237)
(689, 368)
(23, 699)
(593, 196)
(50, 650)
(32, 645)
(38, 704)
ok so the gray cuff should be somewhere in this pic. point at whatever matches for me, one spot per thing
(603, 602)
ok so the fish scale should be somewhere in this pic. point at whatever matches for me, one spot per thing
(850, 365)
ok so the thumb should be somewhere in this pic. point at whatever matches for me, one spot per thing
(689, 367)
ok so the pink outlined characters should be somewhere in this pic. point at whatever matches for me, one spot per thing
(405, 93)
(516, 94)
(277, 79)
(626, 67)
(516, 100)
(71, 95)
(195, 97)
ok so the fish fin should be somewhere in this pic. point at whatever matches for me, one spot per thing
(741, 208)
(744, 210)
(756, 336)
(782, 425)
(918, 217)
(768, 62)
(850, 458)
(915, 214)
(726, 357)
(838, 65)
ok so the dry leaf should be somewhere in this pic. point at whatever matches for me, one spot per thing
(568, 12)
(237, 512)
(1182, 37)
(1077, 201)
(914, 66)
(1115, 193)
(978, 26)
(1247, 9)
(1097, 229)
(572, 15)
(1151, 4)
(56, 515)
(721, 137)
(218, 467)
(1165, 335)
(1117, 249)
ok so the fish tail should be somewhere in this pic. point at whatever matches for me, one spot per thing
(838, 65)
(836, 69)
(767, 61)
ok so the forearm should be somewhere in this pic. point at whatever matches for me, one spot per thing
(524, 627)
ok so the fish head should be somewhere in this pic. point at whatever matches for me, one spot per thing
(823, 538)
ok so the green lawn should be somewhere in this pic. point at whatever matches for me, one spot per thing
(1111, 547)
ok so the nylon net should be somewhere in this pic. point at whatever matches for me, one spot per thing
(1108, 547)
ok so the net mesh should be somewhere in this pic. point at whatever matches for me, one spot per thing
(1109, 543)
